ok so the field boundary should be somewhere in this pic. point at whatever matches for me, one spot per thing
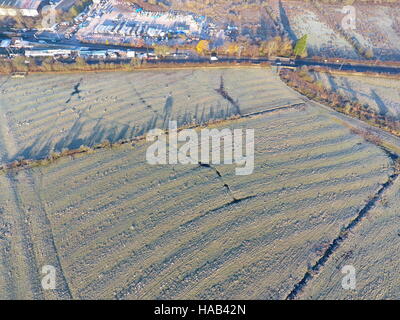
(158, 66)
(354, 121)
(393, 155)
(343, 235)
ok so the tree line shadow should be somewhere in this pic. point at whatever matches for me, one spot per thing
(87, 131)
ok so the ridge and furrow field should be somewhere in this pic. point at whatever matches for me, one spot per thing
(142, 231)
(50, 115)
(116, 227)
(372, 248)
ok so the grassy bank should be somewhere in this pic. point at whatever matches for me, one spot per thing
(305, 84)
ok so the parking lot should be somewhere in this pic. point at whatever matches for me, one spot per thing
(125, 23)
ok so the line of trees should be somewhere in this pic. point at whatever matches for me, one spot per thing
(351, 39)
(303, 82)
(19, 64)
(23, 64)
(73, 11)
(277, 46)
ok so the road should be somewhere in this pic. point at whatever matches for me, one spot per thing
(335, 66)
(351, 67)
(74, 44)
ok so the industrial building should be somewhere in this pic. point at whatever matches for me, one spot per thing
(29, 8)
(48, 53)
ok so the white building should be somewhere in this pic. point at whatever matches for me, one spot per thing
(48, 53)
(131, 54)
(28, 8)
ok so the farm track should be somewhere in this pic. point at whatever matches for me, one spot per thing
(44, 242)
(26, 272)
(32, 244)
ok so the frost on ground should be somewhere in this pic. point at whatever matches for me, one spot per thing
(127, 230)
(115, 227)
(377, 28)
(301, 18)
(381, 94)
(64, 111)
(373, 250)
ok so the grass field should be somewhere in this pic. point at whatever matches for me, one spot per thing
(381, 94)
(124, 229)
(376, 27)
(46, 114)
(115, 227)
(373, 251)
(300, 18)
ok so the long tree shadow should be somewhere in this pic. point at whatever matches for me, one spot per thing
(285, 22)
(349, 88)
(76, 91)
(91, 131)
(266, 30)
(224, 93)
(381, 104)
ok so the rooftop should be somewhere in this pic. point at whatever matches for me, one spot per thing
(20, 4)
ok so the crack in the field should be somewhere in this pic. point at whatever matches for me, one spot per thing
(343, 235)
(225, 185)
(222, 91)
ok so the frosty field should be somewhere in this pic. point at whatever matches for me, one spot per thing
(381, 94)
(116, 227)
(46, 114)
(376, 28)
(373, 250)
